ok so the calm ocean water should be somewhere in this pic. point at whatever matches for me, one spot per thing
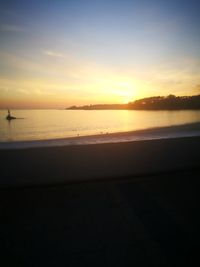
(55, 124)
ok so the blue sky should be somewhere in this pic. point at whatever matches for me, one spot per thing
(57, 53)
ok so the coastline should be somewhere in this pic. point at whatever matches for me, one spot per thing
(168, 132)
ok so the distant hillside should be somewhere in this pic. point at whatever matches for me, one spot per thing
(170, 102)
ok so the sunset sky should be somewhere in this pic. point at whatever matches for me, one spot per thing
(56, 53)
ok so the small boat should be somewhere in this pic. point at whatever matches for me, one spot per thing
(9, 117)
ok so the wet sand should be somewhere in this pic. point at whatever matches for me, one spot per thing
(185, 130)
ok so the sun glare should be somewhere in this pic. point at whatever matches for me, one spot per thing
(128, 92)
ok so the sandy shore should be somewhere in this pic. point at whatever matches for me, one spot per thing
(186, 130)
(50, 165)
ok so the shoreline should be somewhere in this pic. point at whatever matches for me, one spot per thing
(168, 132)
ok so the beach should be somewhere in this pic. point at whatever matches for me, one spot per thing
(167, 132)
(99, 133)
(63, 127)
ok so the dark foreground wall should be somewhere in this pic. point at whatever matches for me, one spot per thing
(129, 220)
(145, 221)
(52, 165)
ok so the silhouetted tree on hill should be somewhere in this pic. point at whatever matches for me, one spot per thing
(170, 102)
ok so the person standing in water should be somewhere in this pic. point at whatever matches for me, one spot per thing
(9, 117)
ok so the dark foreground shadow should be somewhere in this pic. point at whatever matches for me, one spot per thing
(145, 221)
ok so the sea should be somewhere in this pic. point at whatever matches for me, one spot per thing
(71, 127)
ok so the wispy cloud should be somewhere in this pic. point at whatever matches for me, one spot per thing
(11, 28)
(43, 92)
(23, 91)
(52, 53)
(27, 87)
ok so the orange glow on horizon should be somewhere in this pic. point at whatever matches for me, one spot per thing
(90, 85)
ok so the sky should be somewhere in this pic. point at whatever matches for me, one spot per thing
(54, 54)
